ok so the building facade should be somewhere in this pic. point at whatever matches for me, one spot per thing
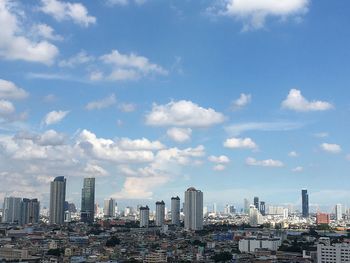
(144, 216)
(30, 211)
(193, 209)
(57, 200)
(252, 244)
(87, 212)
(160, 213)
(305, 203)
(175, 210)
(12, 210)
(109, 208)
(337, 253)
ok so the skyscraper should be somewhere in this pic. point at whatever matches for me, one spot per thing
(175, 210)
(144, 216)
(12, 210)
(193, 209)
(338, 212)
(256, 202)
(30, 210)
(57, 199)
(246, 205)
(160, 213)
(305, 203)
(109, 208)
(87, 212)
(262, 208)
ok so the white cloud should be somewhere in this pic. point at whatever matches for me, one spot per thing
(331, 147)
(124, 2)
(321, 134)
(219, 159)
(219, 167)
(6, 108)
(293, 154)
(61, 11)
(254, 13)
(130, 66)
(96, 75)
(179, 134)
(265, 163)
(240, 143)
(15, 45)
(139, 144)
(81, 58)
(51, 137)
(242, 101)
(295, 101)
(101, 104)
(127, 107)
(95, 170)
(183, 113)
(8, 90)
(54, 117)
(46, 32)
(237, 129)
(298, 169)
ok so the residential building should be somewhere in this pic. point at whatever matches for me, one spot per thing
(193, 209)
(175, 210)
(57, 200)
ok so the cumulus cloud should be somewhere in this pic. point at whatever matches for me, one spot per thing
(46, 32)
(81, 58)
(295, 101)
(61, 10)
(51, 138)
(6, 108)
(95, 170)
(298, 169)
(124, 2)
(183, 113)
(240, 143)
(101, 104)
(331, 148)
(15, 45)
(293, 154)
(265, 163)
(127, 107)
(179, 134)
(130, 66)
(219, 159)
(219, 167)
(54, 117)
(8, 90)
(254, 13)
(139, 144)
(242, 101)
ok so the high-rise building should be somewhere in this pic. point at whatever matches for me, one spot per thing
(215, 210)
(322, 218)
(338, 212)
(175, 210)
(305, 203)
(255, 217)
(256, 202)
(30, 210)
(246, 205)
(87, 212)
(57, 199)
(109, 208)
(193, 209)
(160, 213)
(262, 208)
(12, 210)
(144, 216)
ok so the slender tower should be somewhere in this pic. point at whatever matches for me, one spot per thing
(57, 199)
(175, 210)
(193, 209)
(88, 201)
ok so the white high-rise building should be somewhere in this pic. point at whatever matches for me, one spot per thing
(193, 209)
(12, 210)
(57, 199)
(215, 210)
(175, 210)
(109, 208)
(255, 218)
(160, 213)
(338, 212)
(246, 205)
(144, 216)
(337, 253)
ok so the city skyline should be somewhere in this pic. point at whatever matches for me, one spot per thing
(208, 100)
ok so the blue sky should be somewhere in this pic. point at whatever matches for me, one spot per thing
(236, 98)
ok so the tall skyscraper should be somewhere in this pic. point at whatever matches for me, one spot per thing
(256, 202)
(109, 208)
(87, 212)
(30, 210)
(12, 210)
(144, 216)
(160, 213)
(246, 205)
(305, 203)
(262, 208)
(338, 212)
(57, 199)
(193, 209)
(175, 210)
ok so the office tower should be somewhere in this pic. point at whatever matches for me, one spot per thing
(109, 208)
(193, 209)
(305, 203)
(214, 208)
(30, 210)
(255, 217)
(175, 210)
(87, 212)
(256, 202)
(12, 210)
(246, 205)
(57, 199)
(160, 213)
(144, 216)
(338, 212)
(262, 208)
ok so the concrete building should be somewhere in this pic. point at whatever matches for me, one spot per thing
(193, 209)
(255, 218)
(254, 243)
(30, 211)
(322, 218)
(156, 257)
(57, 200)
(337, 253)
(160, 213)
(12, 254)
(109, 208)
(338, 212)
(246, 205)
(256, 202)
(144, 216)
(305, 203)
(262, 208)
(175, 210)
(87, 212)
(12, 210)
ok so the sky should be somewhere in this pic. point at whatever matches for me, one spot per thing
(236, 98)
